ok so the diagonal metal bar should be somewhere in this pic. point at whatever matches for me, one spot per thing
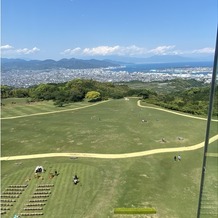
(210, 110)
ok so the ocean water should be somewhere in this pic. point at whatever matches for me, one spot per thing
(164, 66)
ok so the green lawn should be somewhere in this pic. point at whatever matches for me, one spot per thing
(112, 127)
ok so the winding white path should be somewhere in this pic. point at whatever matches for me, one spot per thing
(111, 156)
(116, 156)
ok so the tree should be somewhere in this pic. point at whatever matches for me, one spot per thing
(75, 95)
(44, 92)
(93, 96)
(6, 91)
(20, 93)
(61, 97)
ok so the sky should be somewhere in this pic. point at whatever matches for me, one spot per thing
(85, 29)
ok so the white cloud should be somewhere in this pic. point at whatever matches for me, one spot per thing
(164, 50)
(70, 51)
(105, 50)
(206, 50)
(132, 50)
(9, 50)
(135, 51)
(6, 47)
(27, 51)
(102, 50)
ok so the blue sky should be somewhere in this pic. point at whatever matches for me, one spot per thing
(56, 29)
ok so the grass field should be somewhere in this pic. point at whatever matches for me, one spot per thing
(109, 128)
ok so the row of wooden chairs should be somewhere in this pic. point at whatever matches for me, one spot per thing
(12, 193)
(5, 208)
(6, 204)
(33, 208)
(31, 214)
(38, 200)
(9, 196)
(8, 200)
(40, 196)
(42, 192)
(46, 185)
(15, 189)
(35, 204)
(43, 189)
(17, 186)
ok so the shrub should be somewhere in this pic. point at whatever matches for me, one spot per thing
(134, 211)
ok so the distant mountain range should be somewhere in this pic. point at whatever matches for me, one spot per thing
(111, 61)
(20, 64)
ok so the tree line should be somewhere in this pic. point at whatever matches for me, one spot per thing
(72, 91)
(192, 100)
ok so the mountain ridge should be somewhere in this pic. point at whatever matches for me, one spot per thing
(73, 63)
(111, 61)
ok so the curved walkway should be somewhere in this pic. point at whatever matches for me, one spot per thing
(111, 156)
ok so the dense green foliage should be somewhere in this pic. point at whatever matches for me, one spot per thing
(166, 86)
(72, 91)
(194, 100)
(93, 96)
(189, 96)
(134, 211)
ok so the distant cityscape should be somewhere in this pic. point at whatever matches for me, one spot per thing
(27, 78)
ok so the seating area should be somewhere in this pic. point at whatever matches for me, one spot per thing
(17, 186)
(9, 195)
(8, 200)
(33, 208)
(37, 200)
(12, 193)
(35, 204)
(15, 189)
(5, 208)
(42, 193)
(40, 196)
(43, 189)
(31, 214)
(45, 185)
(6, 204)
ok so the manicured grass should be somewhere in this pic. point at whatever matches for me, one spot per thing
(155, 181)
(22, 108)
(110, 127)
(75, 199)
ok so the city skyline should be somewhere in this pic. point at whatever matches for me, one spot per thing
(86, 29)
